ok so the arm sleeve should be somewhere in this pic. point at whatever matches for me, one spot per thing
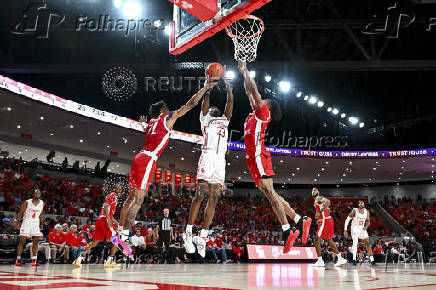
(263, 112)
(347, 221)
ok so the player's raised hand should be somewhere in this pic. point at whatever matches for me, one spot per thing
(242, 66)
(143, 119)
(209, 84)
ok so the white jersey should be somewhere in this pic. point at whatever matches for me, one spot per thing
(32, 213)
(359, 218)
(215, 133)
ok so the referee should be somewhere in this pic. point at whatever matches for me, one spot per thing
(165, 231)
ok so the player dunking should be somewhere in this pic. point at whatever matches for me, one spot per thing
(105, 228)
(32, 216)
(211, 167)
(259, 159)
(359, 225)
(326, 228)
(157, 136)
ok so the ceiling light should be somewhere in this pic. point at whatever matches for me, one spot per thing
(18, 126)
(71, 126)
(118, 3)
(298, 168)
(312, 100)
(182, 158)
(353, 120)
(322, 169)
(98, 133)
(306, 97)
(267, 78)
(285, 86)
(41, 118)
(157, 23)
(299, 94)
(9, 109)
(329, 109)
(343, 115)
(320, 104)
(132, 9)
(51, 134)
(81, 140)
(361, 125)
(335, 111)
(281, 161)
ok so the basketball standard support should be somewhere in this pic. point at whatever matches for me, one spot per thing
(201, 9)
(221, 23)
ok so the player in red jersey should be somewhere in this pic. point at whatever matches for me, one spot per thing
(157, 136)
(105, 228)
(259, 159)
(326, 228)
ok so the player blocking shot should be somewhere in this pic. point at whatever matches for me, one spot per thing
(31, 214)
(360, 223)
(157, 135)
(326, 228)
(259, 160)
(105, 228)
(211, 165)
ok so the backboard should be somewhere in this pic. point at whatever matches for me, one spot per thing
(188, 31)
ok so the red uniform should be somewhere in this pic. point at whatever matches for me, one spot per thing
(53, 237)
(73, 240)
(326, 225)
(258, 158)
(102, 229)
(157, 136)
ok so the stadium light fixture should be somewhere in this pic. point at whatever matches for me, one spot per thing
(132, 9)
(157, 23)
(230, 75)
(335, 111)
(343, 115)
(298, 94)
(353, 120)
(320, 104)
(361, 125)
(118, 3)
(285, 86)
(267, 78)
(168, 30)
(329, 109)
(252, 74)
(312, 100)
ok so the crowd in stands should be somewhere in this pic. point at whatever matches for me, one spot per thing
(239, 220)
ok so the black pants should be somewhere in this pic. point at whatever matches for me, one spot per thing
(164, 238)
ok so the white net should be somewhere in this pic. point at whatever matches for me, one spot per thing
(246, 33)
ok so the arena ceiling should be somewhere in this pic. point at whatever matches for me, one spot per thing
(22, 128)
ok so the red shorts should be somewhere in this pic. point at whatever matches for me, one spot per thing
(260, 166)
(102, 230)
(142, 171)
(326, 229)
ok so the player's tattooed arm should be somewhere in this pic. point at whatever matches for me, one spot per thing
(190, 104)
(250, 86)
(367, 221)
(229, 105)
(21, 211)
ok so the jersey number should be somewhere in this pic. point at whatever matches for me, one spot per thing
(34, 215)
(153, 128)
(361, 223)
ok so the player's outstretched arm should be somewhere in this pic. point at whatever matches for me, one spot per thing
(228, 111)
(250, 86)
(347, 221)
(41, 218)
(189, 105)
(206, 103)
(106, 209)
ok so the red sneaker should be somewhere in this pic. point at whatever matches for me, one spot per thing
(35, 263)
(18, 264)
(290, 240)
(307, 221)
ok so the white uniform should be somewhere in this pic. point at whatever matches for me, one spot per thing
(212, 163)
(30, 225)
(358, 223)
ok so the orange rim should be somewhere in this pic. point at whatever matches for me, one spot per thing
(229, 33)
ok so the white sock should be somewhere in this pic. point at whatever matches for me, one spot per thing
(371, 258)
(204, 233)
(110, 258)
(189, 229)
(80, 258)
(34, 257)
(18, 257)
(320, 258)
(286, 227)
(297, 218)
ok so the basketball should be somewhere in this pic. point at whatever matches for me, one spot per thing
(215, 71)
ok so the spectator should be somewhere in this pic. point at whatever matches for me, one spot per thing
(73, 241)
(7, 227)
(139, 245)
(212, 248)
(58, 243)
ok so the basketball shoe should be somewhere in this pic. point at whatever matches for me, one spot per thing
(201, 245)
(319, 263)
(187, 240)
(289, 237)
(341, 261)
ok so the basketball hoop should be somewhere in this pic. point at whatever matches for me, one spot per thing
(246, 33)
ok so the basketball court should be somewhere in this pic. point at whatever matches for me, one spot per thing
(230, 276)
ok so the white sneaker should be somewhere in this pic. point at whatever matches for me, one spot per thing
(319, 263)
(201, 245)
(341, 261)
(187, 240)
(124, 235)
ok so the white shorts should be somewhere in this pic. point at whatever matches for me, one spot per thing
(359, 233)
(30, 229)
(212, 168)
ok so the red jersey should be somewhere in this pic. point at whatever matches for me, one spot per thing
(73, 240)
(254, 131)
(111, 199)
(157, 135)
(325, 213)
